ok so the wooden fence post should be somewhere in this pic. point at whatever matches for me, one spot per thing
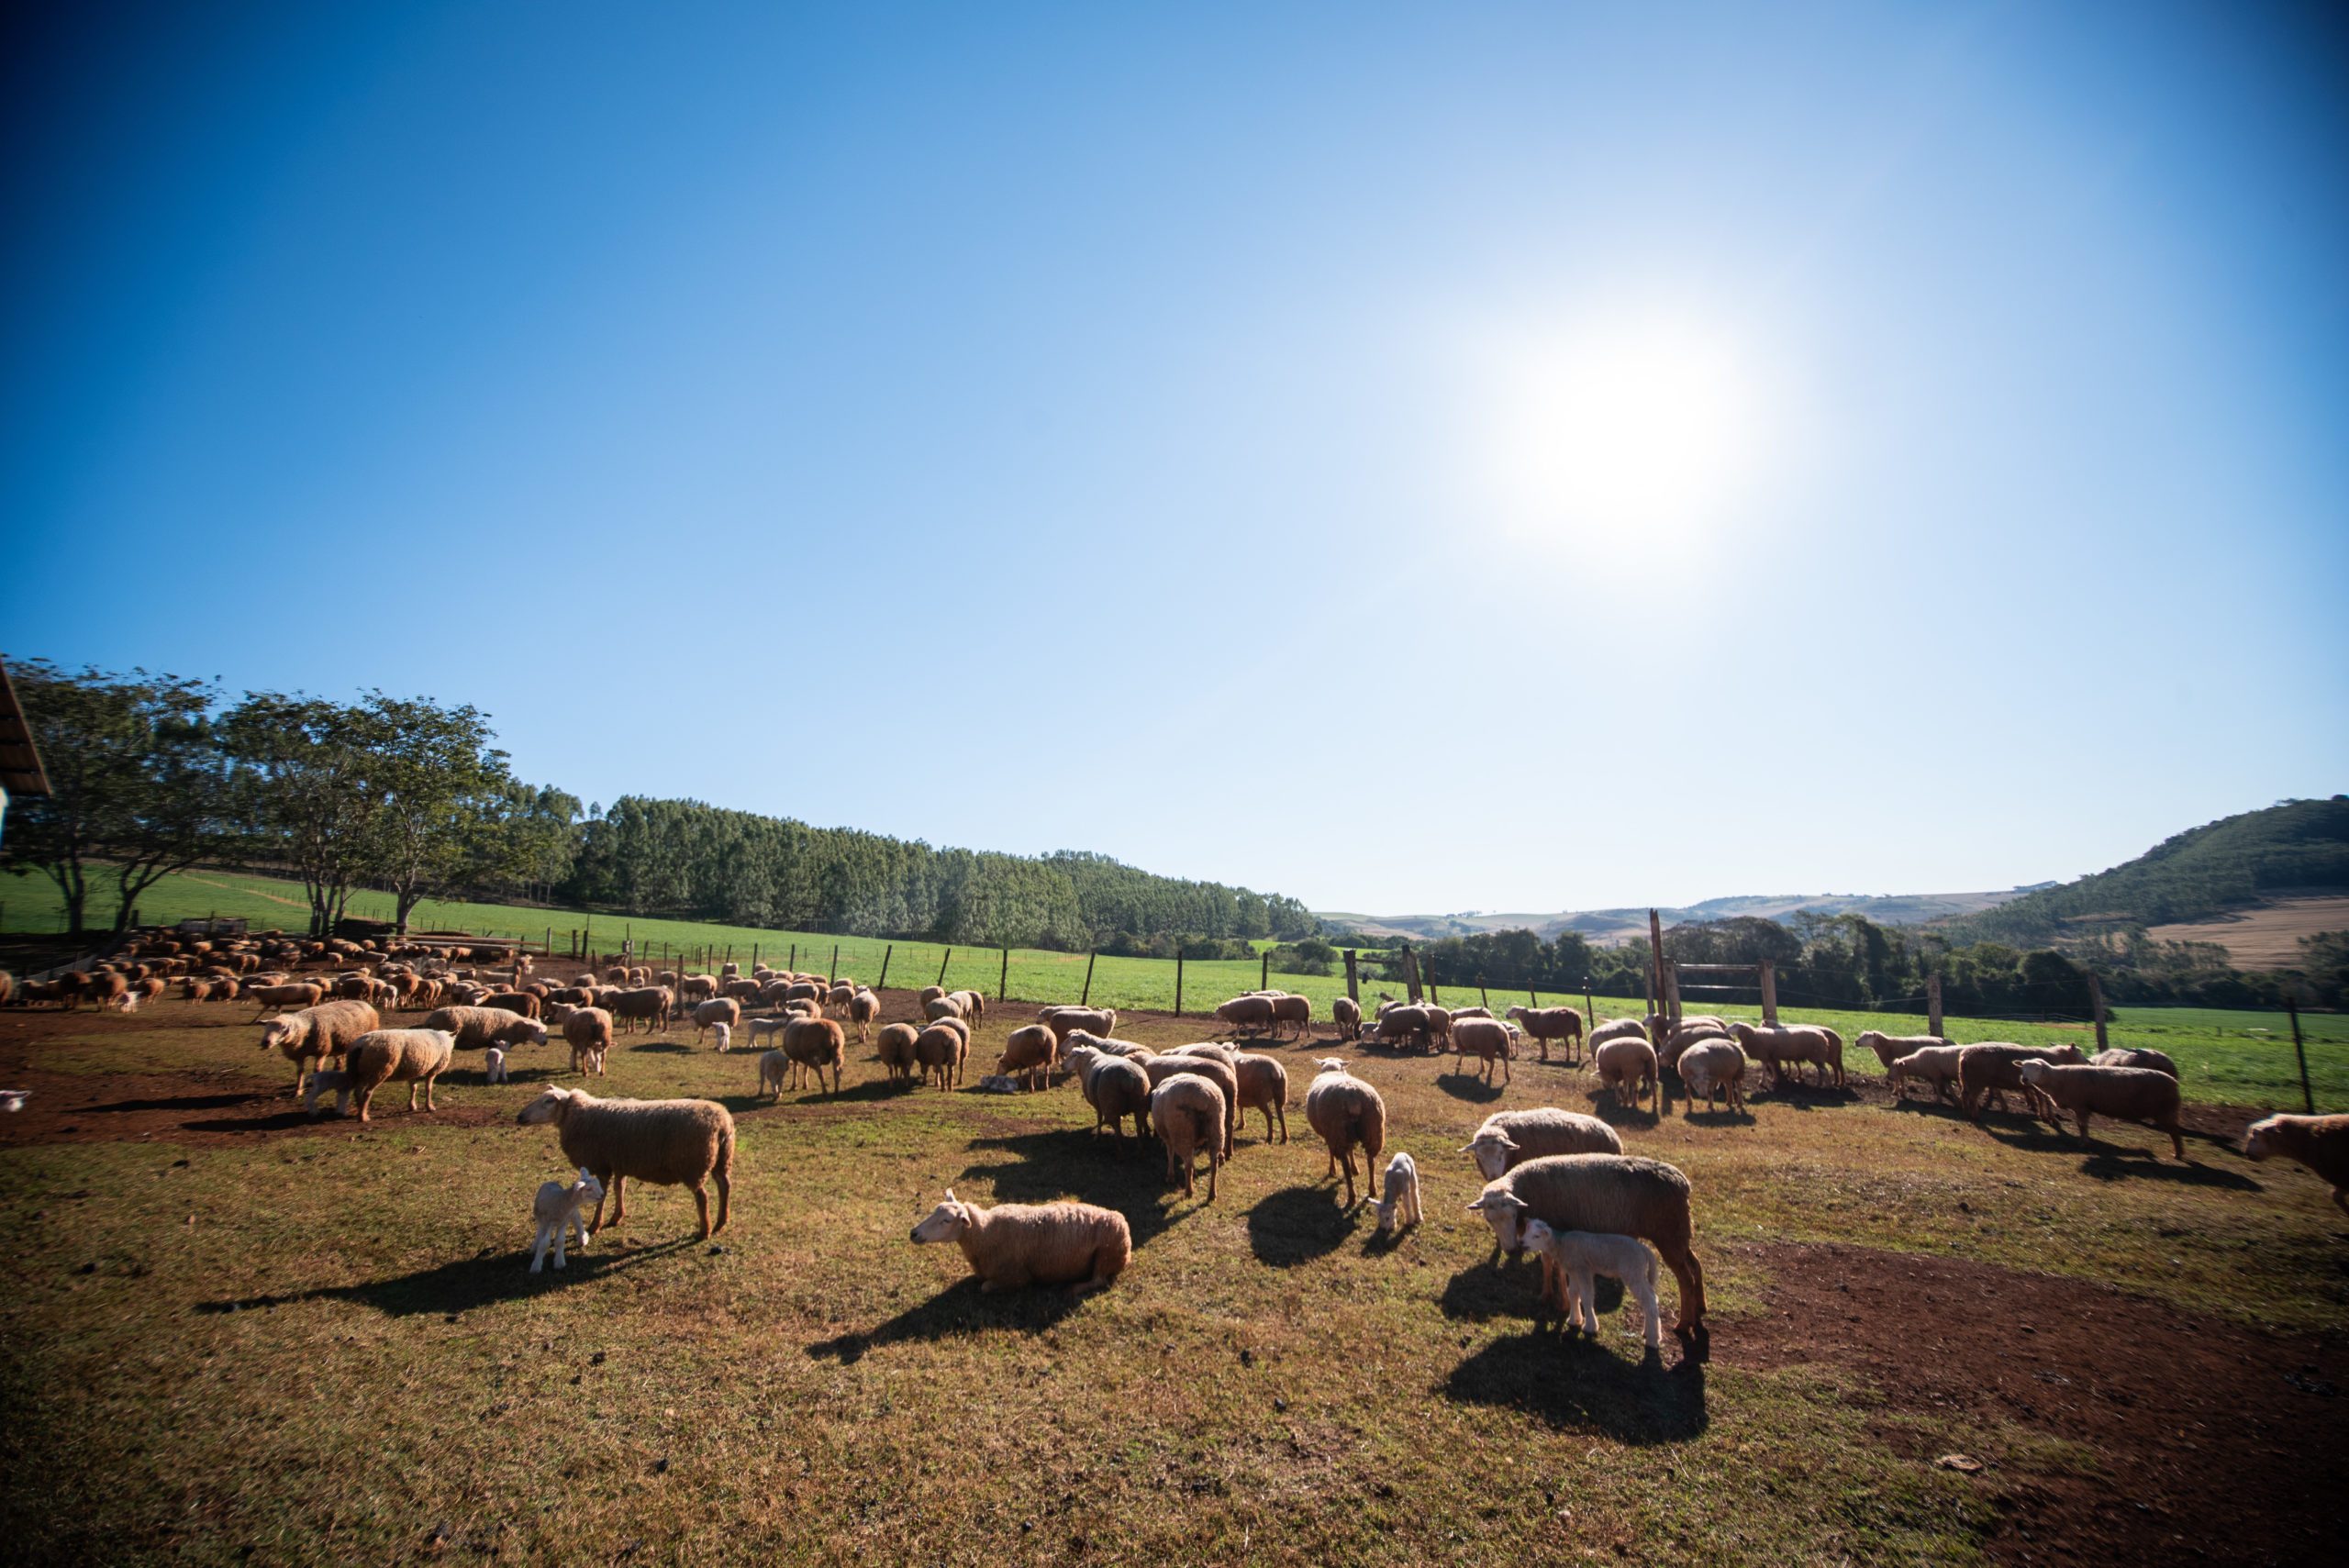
(1264, 969)
(1589, 1012)
(1086, 999)
(1488, 1001)
(791, 964)
(2299, 1050)
(1353, 977)
(884, 966)
(1672, 991)
(1769, 993)
(1435, 997)
(2096, 1000)
(1411, 971)
(1655, 961)
(941, 967)
(832, 977)
(1178, 980)
(754, 955)
(1003, 978)
(1933, 1005)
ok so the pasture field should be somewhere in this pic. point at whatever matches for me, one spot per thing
(2224, 1056)
(231, 1334)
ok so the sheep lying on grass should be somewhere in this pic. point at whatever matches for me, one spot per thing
(1511, 1138)
(2124, 1094)
(1188, 1113)
(1576, 1257)
(1345, 1111)
(667, 1143)
(2135, 1056)
(558, 1212)
(2320, 1142)
(1015, 1244)
(1401, 1205)
(1618, 1195)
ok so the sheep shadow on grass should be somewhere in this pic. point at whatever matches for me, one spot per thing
(1468, 1086)
(2115, 1162)
(961, 1308)
(1123, 1173)
(1574, 1384)
(464, 1284)
(1616, 1112)
(1297, 1225)
(187, 1103)
(1803, 1096)
(664, 1047)
(1502, 1286)
(1722, 1116)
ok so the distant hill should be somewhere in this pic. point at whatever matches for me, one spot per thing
(2258, 859)
(1609, 926)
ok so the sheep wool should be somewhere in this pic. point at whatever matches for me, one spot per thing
(2320, 1142)
(685, 1143)
(1511, 1138)
(1014, 1244)
(1344, 1111)
(1615, 1194)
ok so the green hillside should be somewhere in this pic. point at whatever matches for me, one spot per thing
(2221, 866)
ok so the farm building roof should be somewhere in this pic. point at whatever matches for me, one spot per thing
(20, 768)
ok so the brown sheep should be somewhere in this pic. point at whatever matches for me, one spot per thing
(588, 1031)
(1185, 1111)
(1227, 1082)
(896, 1048)
(719, 1010)
(814, 1044)
(1345, 1111)
(1029, 1053)
(2320, 1142)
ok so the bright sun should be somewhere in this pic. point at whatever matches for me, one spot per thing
(1620, 430)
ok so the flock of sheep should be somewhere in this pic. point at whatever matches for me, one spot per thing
(1557, 1183)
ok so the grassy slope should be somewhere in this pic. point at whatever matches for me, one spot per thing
(822, 1391)
(2234, 1058)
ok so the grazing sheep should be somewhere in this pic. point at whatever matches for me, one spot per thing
(928, 994)
(648, 1004)
(1683, 1035)
(1628, 1062)
(1711, 1068)
(1891, 1048)
(814, 1044)
(1991, 1069)
(589, 1033)
(972, 1004)
(2124, 1094)
(1775, 1047)
(775, 1066)
(1029, 1054)
(402, 1056)
(1936, 1066)
(1546, 1024)
(940, 1050)
(1247, 1014)
(716, 1011)
(1511, 1138)
(1227, 1082)
(524, 1003)
(2320, 1142)
(1213, 1050)
(695, 988)
(1116, 1088)
(1400, 1206)
(1404, 1023)
(864, 1011)
(1346, 1013)
(1066, 1021)
(1264, 1085)
(667, 1143)
(2135, 1056)
(1015, 1244)
(558, 1210)
(307, 1037)
(895, 1048)
(1106, 1046)
(1576, 1257)
(493, 1066)
(1616, 1195)
(1484, 1037)
(1616, 1029)
(1188, 1113)
(1296, 1010)
(1344, 1111)
(274, 997)
(939, 1008)
(478, 1029)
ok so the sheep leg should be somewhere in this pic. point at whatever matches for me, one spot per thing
(1587, 1301)
(1691, 1275)
(725, 1181)
(539, 1257)
(619, 1198)
(701, 1207)
(1651, 1318)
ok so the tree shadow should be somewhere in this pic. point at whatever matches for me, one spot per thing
(1297, 1225)
(470, 1283)
(961, 1308)
(1572, 1384)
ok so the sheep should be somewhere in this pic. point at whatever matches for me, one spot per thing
(1158, 1069)
(1658, 1027)
(1247, 1014)
(1187, 1112)
(695, 988)
(1106, 1046)
(477, 1028)
(1013, 1244)
(1935, 1064)
(667, 1143)
(2135, 1056)
(717, 1011)
(1346, 1013)
(405, 1056)
(1116, 1088)
(1891, 1048)
(895, 1048)
(1629, 1060)
(1511, 1138)
(1683, 1035)
(1776, 1045)
(1344, 1111)
(556, 1213)
(939, 1008)
(1485, 1037)
(1712, 1068)
(775, 1066)
(2124, 1094)
(278, 998)
(814, 1044)
(864, 1011)
(524, 1003)
(1575, 1257)
(1066, 1021)
(1989, 1069)
(1546, 1024)
(307, 1037)
(972, 1003)
(928, 994)
(588, 1031)
(1400, 1206)
(1264, 1085)
(1405, 1024)
(648, 1004)
(941, 1048)
(2320, 1142)
(493, 1066)
(1291, 1009)
(14, 1099)
(1029, 1053)
(1616, 1195)
(1615, 1028)
(725, 1033)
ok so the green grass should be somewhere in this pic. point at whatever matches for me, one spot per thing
(325, 1347)
(2223, 1057)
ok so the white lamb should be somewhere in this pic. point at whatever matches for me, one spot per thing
(725, 1033)
(14, 1099)
(1400, 1206)
(1578, 1255)
(496, 1063)
(560, 1210)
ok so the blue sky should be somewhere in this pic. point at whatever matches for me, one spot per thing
(1414, 458)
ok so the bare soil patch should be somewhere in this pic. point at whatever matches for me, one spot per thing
(2218, 1443)
(2267, 935)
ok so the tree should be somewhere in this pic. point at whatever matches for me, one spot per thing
(445, 795)
(306, 792)
(136, 777)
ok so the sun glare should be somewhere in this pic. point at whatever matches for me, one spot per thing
(1621, 431)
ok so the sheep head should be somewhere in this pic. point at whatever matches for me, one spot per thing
(1504, 1212)
(1331, 1064)
(1491, 1152)
(552, 1104)
(2263, 1139)
(947, 1222)
(2032, 1070)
